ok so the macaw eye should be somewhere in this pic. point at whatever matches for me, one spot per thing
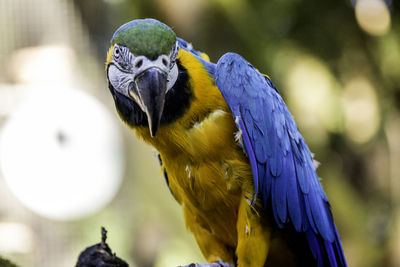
(116, 52)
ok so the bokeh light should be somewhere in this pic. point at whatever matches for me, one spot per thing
(373, 16)
(361, 110)
(313, 98)
(16, 238)
(51, 64)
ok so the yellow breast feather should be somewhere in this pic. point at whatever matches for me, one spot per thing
(199, 153)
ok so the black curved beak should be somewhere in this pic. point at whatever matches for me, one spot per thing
(151, 86)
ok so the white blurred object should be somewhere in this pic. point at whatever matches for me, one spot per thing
(15, 238)
(61, 154)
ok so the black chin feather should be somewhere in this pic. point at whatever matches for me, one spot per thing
(177, 101)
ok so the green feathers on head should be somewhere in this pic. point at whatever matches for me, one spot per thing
(147, 37)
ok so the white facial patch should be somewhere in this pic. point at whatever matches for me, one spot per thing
(120, 80)
(172, 76)
(125, 67)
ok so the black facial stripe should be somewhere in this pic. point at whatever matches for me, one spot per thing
(118, 67)
(178, 98)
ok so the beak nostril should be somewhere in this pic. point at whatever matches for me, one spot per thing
(139, 63)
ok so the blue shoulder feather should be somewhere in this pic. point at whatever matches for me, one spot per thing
(282, 164)
(210, 67)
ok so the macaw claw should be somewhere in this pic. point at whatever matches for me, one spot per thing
(219, 263)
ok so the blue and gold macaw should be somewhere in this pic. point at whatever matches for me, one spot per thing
(230, 150)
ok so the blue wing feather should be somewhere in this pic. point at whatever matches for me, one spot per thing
(253, 162)
(281, 162)
(188, 47)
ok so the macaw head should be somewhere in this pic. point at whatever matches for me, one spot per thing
(141, 67)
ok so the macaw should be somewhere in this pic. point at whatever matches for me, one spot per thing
(232, 155)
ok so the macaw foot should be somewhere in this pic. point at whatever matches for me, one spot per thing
(219, 263)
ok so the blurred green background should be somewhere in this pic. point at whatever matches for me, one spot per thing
(336, 63)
